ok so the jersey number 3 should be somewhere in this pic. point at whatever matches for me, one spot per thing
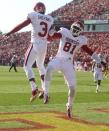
(44, 29)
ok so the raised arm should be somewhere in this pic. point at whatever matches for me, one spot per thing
(93, 55)
(88, 50)
(19, 27)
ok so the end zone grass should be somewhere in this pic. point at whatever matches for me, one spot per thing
(15, 92)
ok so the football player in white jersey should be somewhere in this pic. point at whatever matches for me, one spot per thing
(97, 74)
(70, 41)
(41, 25)
(102, 57)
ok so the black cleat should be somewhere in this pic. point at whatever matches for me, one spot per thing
(69, 111)
(41, 95)
(46, 99)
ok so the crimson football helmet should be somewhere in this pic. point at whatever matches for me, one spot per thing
(40, 7)
(76, 28)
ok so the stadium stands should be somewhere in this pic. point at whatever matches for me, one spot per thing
(82, 9)
(18, 43)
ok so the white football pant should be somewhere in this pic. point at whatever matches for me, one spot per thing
(36, 52)
(66, 67)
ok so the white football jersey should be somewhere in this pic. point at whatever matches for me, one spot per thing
(41, 25)
(98, 67)
(69, 45)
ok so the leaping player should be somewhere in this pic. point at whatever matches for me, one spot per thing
(41, 25)
(70, 41)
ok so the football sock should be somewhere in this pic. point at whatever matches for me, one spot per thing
(33, 84)
(42, 81)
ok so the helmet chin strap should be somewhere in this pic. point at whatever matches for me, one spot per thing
(75, 34)
(42, 12)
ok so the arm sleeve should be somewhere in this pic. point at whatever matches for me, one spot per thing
(91, 53)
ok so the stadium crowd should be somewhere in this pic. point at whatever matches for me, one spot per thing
(83, 9)
(17, 44)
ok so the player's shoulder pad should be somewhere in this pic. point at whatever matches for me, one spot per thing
(63, 30)
(32, 14)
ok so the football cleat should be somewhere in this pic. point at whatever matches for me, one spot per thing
(69, 111)
(34, 95)
(46, 99)
(41, 95)
(97, 91)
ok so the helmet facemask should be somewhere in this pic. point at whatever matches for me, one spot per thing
(76, 29)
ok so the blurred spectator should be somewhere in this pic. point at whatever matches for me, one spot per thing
(13, 63)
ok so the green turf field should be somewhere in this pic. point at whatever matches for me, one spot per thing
(91, 110)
